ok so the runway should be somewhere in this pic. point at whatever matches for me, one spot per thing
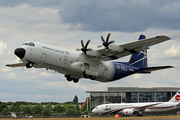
(110, 118)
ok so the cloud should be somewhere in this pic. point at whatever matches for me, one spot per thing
(137, 76)
(6, 69)
(173, 51)
(126, 16)
(11, 76)
(3, 46)
(45, 74)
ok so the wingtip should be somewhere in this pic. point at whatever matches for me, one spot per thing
(165, 36)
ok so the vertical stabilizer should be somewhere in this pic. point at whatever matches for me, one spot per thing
(139, 59)
(176, 97)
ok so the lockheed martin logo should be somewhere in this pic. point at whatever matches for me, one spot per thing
(66, 52)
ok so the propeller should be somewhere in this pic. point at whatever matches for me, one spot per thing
(106, 43)
(84, 47)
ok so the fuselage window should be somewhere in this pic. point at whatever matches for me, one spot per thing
(29, 44)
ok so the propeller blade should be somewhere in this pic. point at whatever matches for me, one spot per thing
(107, 39)
(106, 43)
(87, 43)
(82, 44)
(111, 42)
(102, 39)
(84, 48)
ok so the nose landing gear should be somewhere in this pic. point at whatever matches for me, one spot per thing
(29, 65)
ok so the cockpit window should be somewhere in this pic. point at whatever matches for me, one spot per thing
(29, 44)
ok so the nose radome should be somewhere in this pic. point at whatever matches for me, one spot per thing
(94, 110)
(20, 52)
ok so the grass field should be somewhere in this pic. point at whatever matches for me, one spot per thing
(105, 118)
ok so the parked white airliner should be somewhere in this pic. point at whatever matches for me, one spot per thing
(139, 108)
(96, 64)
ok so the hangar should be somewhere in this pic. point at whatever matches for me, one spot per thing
(131, 95)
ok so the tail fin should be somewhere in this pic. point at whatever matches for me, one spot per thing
(176, 97)
(139, 59)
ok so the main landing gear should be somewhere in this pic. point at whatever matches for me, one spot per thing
(89, 76)
(69, 78)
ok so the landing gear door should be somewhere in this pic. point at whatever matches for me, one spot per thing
(65, 59)
(43, 57)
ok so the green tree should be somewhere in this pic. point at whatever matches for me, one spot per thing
(58, 108)
(65, 106)
(21, 107)
(77, 113)
(28, 109)
(2, 106)
(38, 109)
(5, 111)
(49, 106)
(77, 107)
(46, 111)
(75, 100)
(15, 107)
(70, 111)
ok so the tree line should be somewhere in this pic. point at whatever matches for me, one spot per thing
(22, 108)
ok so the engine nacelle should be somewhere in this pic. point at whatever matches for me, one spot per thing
(128, 111)
(113, 47)
(93, 53)
(78, 67)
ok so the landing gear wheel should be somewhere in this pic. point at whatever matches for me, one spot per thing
(75, 80)
(29, 65)
(92, 77)
(68, 78)
(85, 75)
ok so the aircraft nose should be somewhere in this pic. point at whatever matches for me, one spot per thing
(20, 52)
(95, 110)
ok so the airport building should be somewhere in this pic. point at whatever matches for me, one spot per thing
(131, 95)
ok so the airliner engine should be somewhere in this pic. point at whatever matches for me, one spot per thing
(127, 111)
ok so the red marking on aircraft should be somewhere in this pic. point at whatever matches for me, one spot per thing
(177, 97)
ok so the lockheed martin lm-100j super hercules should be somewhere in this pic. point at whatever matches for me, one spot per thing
(96, 64)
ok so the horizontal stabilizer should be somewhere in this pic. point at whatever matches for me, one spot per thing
(150, 69)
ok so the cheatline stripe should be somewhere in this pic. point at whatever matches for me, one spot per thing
(160, 107)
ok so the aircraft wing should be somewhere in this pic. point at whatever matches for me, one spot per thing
(132, 47)
(142, 108)
(16, 65)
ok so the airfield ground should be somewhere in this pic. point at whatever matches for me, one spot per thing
(106, 118)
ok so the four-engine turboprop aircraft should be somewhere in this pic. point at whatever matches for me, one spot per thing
(139, 108)
(96, 64)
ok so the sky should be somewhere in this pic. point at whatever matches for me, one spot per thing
(64, 23)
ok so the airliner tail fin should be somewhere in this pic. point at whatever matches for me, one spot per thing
(176, 97)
